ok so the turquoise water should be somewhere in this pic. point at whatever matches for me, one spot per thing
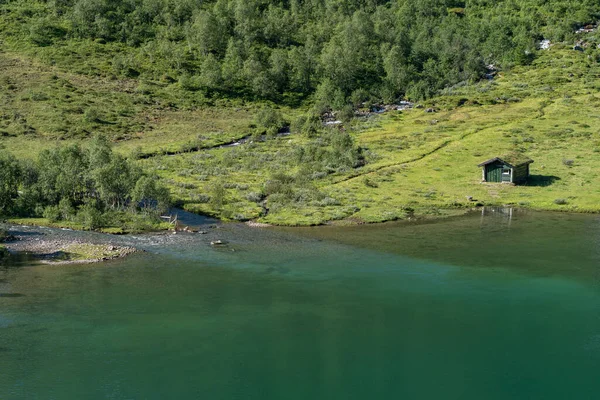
(481, 307)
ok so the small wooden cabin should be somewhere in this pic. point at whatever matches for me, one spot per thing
(511, 168)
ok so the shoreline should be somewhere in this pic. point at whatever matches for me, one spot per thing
(431, 215)
(64, 251)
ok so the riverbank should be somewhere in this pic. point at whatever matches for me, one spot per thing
(60, 251)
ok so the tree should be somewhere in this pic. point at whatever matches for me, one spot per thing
(232, 65)
(114, 181)
(150, 196)
(10, 172)
(208, 34)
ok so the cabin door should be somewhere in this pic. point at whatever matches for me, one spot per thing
(506, 174)
(493, 173)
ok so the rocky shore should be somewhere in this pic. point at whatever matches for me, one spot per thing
(65, 251)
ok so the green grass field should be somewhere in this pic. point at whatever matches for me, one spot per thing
(418, 163)
(426, 163)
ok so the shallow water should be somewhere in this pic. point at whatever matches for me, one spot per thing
(486, 306)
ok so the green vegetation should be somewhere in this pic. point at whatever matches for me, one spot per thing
(87, 188)
(417, 162)
(285, 50)
(204, 94)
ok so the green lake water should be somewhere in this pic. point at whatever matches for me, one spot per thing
(493, 306)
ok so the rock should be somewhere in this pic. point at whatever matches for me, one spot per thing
(217, 243)
(202, 232)
(430, 110)
(577, 48)
(544, 44)
(469, 198)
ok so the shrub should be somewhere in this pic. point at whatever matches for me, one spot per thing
(254, 197)
(346, 113)
(90, 217)
(65, 208)
(328, 201)
(308, 125)
(370, 182)
(52, 213)
(270, 119)
(189, 83)
(217, 195)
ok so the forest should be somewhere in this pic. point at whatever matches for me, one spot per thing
(342, 52)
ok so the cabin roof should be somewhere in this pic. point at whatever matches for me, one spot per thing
(513, 160)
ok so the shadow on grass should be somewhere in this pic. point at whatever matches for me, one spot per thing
(541, 180)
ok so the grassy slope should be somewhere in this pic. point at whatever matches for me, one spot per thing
(43, 105)
(426, 162)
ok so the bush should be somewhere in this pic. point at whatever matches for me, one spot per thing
(328, 201)
(254, 197)
(370, 182)
(90, 217)
(217, 195)
(66, 209)
(52, 213)
(189, 83)
(308, 125)
(270, 119)
(345, 114)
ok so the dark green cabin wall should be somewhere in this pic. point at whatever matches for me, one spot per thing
(493, 172)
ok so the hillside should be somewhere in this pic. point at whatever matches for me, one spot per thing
(373, 168)
(426, 162)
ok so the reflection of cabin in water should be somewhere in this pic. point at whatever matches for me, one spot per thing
(512, 168)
